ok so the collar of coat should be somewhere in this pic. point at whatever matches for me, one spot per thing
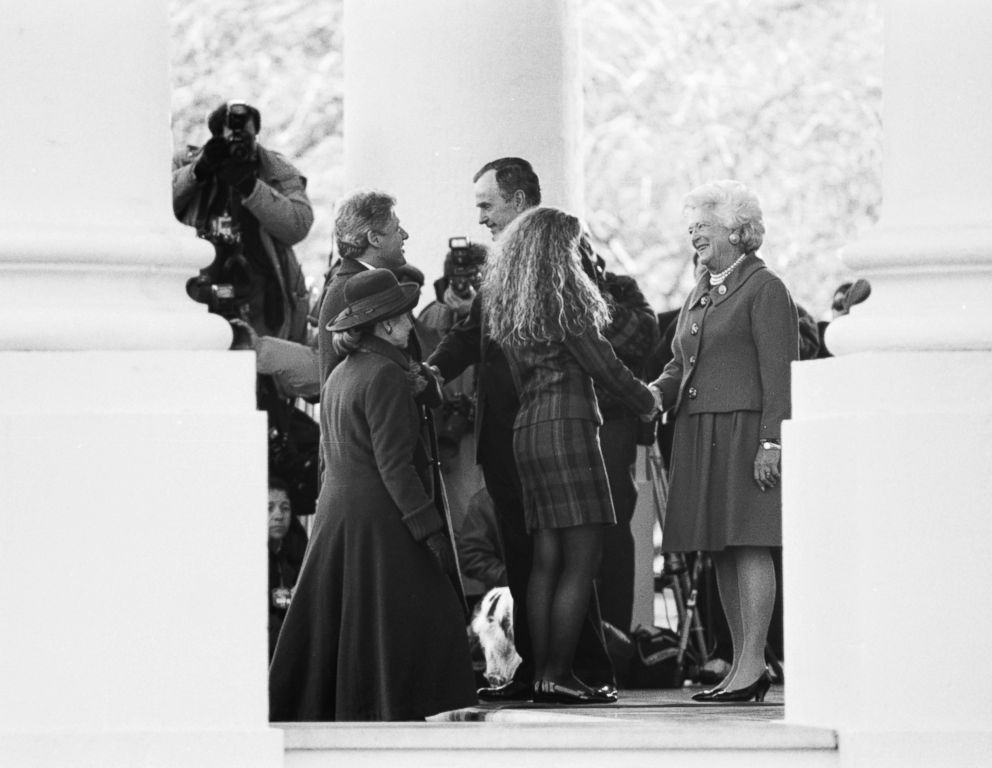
(747, 269)
(378, 346)
(351, 267)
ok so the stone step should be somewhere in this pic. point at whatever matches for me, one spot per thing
(528, 739)
(645, 728)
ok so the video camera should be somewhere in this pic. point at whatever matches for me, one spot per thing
(223, 286)
(241, 143)
(463, 266)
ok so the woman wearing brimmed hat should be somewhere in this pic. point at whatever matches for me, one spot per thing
(375, 630)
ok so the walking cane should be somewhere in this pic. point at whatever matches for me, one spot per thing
(441, 500)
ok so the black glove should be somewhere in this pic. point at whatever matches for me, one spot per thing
(440, 546)
(214, 152)
(239, 174)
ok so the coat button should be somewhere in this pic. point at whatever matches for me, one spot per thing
(692, 359)
(694, 329)
(721, 290)
(692, 393)
(704, 301)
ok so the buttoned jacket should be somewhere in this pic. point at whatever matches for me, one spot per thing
(733, 348)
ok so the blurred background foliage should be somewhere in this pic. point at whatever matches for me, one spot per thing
(784, 95)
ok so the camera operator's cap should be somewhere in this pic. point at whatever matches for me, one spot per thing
(372, 296)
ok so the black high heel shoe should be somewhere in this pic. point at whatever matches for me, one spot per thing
(706, 695)
(755, 690)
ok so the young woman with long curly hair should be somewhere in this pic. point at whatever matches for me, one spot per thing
(547, 315)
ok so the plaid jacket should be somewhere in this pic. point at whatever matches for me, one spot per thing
(633, 331)
(555, 380)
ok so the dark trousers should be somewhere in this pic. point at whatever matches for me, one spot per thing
(592, 662)
(618, 442)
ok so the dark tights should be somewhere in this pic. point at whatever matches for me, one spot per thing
(565, 562)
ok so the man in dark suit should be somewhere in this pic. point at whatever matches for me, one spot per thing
(504, 189)
(368, 235)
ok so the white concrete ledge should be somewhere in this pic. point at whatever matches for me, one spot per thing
(260, 748)
(530, 731)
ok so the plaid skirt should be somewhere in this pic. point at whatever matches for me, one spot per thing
(562, 474)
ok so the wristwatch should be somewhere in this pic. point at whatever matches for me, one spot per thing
(768, 445)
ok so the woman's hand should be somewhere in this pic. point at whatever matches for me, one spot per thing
(767, 467)
(656, 394)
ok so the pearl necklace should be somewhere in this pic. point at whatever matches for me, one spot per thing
(716, 278)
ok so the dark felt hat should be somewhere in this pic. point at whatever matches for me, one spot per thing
(372, 296)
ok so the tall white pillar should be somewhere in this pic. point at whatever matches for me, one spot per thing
(435, 90)
(132, 459)
(886, 459)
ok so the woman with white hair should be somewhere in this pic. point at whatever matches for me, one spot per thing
(728, 385)
(547, 316)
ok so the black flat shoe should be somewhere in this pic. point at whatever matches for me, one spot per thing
(608, 694)
(547, 692)
(515, 690)
(756, 691)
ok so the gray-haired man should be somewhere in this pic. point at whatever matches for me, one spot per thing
(368, 235)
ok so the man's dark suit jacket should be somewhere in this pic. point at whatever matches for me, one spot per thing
(331, 305)
(467, 344)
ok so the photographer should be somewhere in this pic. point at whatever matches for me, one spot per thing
(252, 205)
(455, 419)
(454, 290)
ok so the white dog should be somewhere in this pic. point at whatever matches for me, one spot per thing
(493, 625)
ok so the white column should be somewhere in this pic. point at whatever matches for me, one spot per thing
(886, 459)
(91, 255)
(435, 90)
(132, 459)
(929, 260)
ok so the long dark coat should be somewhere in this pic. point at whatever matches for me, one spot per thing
(375, 630)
